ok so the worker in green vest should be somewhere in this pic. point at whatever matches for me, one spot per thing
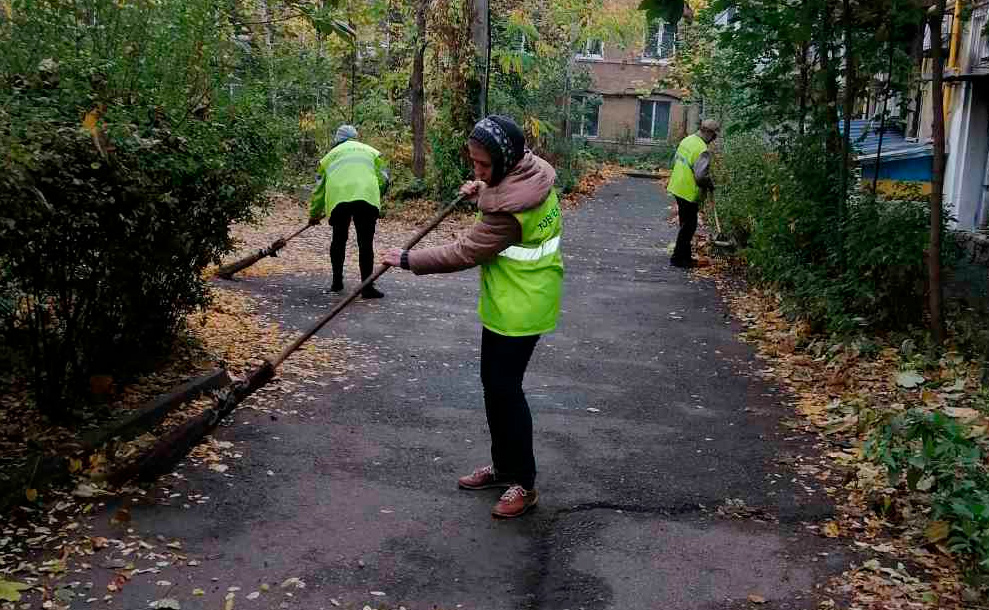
(516, 243)
(690, 178)
(352, 178)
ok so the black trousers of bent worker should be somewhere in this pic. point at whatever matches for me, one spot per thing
(687, 211)
(365, 217)
(503, 363)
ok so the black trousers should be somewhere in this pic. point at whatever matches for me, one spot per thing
(688, 226)
(503, 363)
(365, 218)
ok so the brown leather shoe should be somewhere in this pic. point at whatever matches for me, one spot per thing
(482, 478)
(515, 502)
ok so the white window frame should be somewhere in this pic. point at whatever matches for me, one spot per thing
(658, 42)
(652, 126)
(585, 52)
(523, 43)
(581, 126)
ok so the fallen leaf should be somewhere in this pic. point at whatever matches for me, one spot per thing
(253, 595)
(378, 593)
(11, 591)
(831, 529)
(85, 490)
(937, 531)
(909, 379)
(756, 599)
(75, 465)
(962, 412)
(219, 467)
(198, 592)
(31, 494)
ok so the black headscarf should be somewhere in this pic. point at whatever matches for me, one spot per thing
(504, 141)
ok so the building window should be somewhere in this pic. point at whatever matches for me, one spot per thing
(660, 40)
(586, 111)
(654, 120)
(522, 44)
(593, 49)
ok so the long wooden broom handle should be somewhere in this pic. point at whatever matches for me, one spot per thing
(425, 230)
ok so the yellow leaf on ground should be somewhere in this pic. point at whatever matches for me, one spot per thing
(75, 465)
(937, 531)
(11, 591)
(31, 494)
(831, 529)
(90, 120)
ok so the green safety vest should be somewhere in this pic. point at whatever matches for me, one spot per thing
(522, 286)
(352, 171)
(682, 183)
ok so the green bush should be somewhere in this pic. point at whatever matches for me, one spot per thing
(935, 454)
(448, 166)
(840, 271)
(108, 222)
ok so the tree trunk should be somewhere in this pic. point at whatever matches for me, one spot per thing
(937, 178)
(480, 31)
(847, 108)
(804, 86)
(418, 94)
(826, 50)
(882, 118)
(353, 75)
(269, 42)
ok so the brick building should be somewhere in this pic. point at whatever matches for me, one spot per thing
(626, 106)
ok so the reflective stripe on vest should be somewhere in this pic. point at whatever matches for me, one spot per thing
(347, 161)
(682, 183)
(521, 287)
(520, 253)
(351, 173)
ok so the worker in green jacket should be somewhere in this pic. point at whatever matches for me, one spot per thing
(516, 242)
(352, 178)
(688, 182)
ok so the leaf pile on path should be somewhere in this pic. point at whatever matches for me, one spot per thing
(845, 392)
(589, 183)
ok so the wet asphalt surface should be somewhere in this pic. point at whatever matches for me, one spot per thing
(646, 418)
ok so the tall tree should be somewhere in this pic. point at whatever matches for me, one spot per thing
(418, 93)
(480, 30)
(937, 173)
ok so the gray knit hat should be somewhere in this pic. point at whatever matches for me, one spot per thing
(344, 133)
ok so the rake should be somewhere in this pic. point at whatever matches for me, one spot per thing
(173, 447)
(721, 246)
(226, 271)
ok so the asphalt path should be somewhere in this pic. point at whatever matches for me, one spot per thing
(647, 419)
